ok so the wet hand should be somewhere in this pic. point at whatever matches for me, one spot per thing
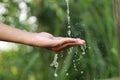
(55, 44)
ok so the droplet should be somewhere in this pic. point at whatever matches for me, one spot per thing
(67, 74)
(82, 72)
(83, 53)
(82, 47)
(83, 24)
(76, 69)
(55, 75)
(69, 33)
(78, 59)
(74, 66)
(68, 11)
(69, 26)
(73, 60)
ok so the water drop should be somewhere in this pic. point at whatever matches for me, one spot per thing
(69, 33)
(55, 75)
(68, 11)
(83, 24)
(67, 74)
(76, 69)
(82, 72)
(69, 26)
(78, 59)
(73, 60)
(74, 66)
(83, 53)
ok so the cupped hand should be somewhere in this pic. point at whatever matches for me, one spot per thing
(56, 44)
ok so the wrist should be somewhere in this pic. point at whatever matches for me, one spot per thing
(29, 39)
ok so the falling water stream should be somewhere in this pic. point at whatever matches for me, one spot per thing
(68, 19)
(55, 63)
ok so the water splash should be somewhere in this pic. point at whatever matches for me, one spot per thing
(55, 64)
(83, 48)
(79, 57)
(76, 61)
(68, 18)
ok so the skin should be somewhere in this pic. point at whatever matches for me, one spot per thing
(42, 40)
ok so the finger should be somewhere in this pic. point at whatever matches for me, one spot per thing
(66, 46)
(76, 41)
(69, 40)
(62, 41)
(80, 41)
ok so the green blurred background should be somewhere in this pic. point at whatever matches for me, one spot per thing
(91, 20)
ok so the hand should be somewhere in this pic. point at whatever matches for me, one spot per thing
(44, 40)
(56, 44)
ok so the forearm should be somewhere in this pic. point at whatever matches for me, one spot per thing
(43, 40)
(11, 34)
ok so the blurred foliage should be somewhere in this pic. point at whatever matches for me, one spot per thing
(91, 20)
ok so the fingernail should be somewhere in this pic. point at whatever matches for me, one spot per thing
(78, 39)
(75, 40)
(81, 41)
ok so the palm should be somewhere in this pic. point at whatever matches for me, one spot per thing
(57, 44)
